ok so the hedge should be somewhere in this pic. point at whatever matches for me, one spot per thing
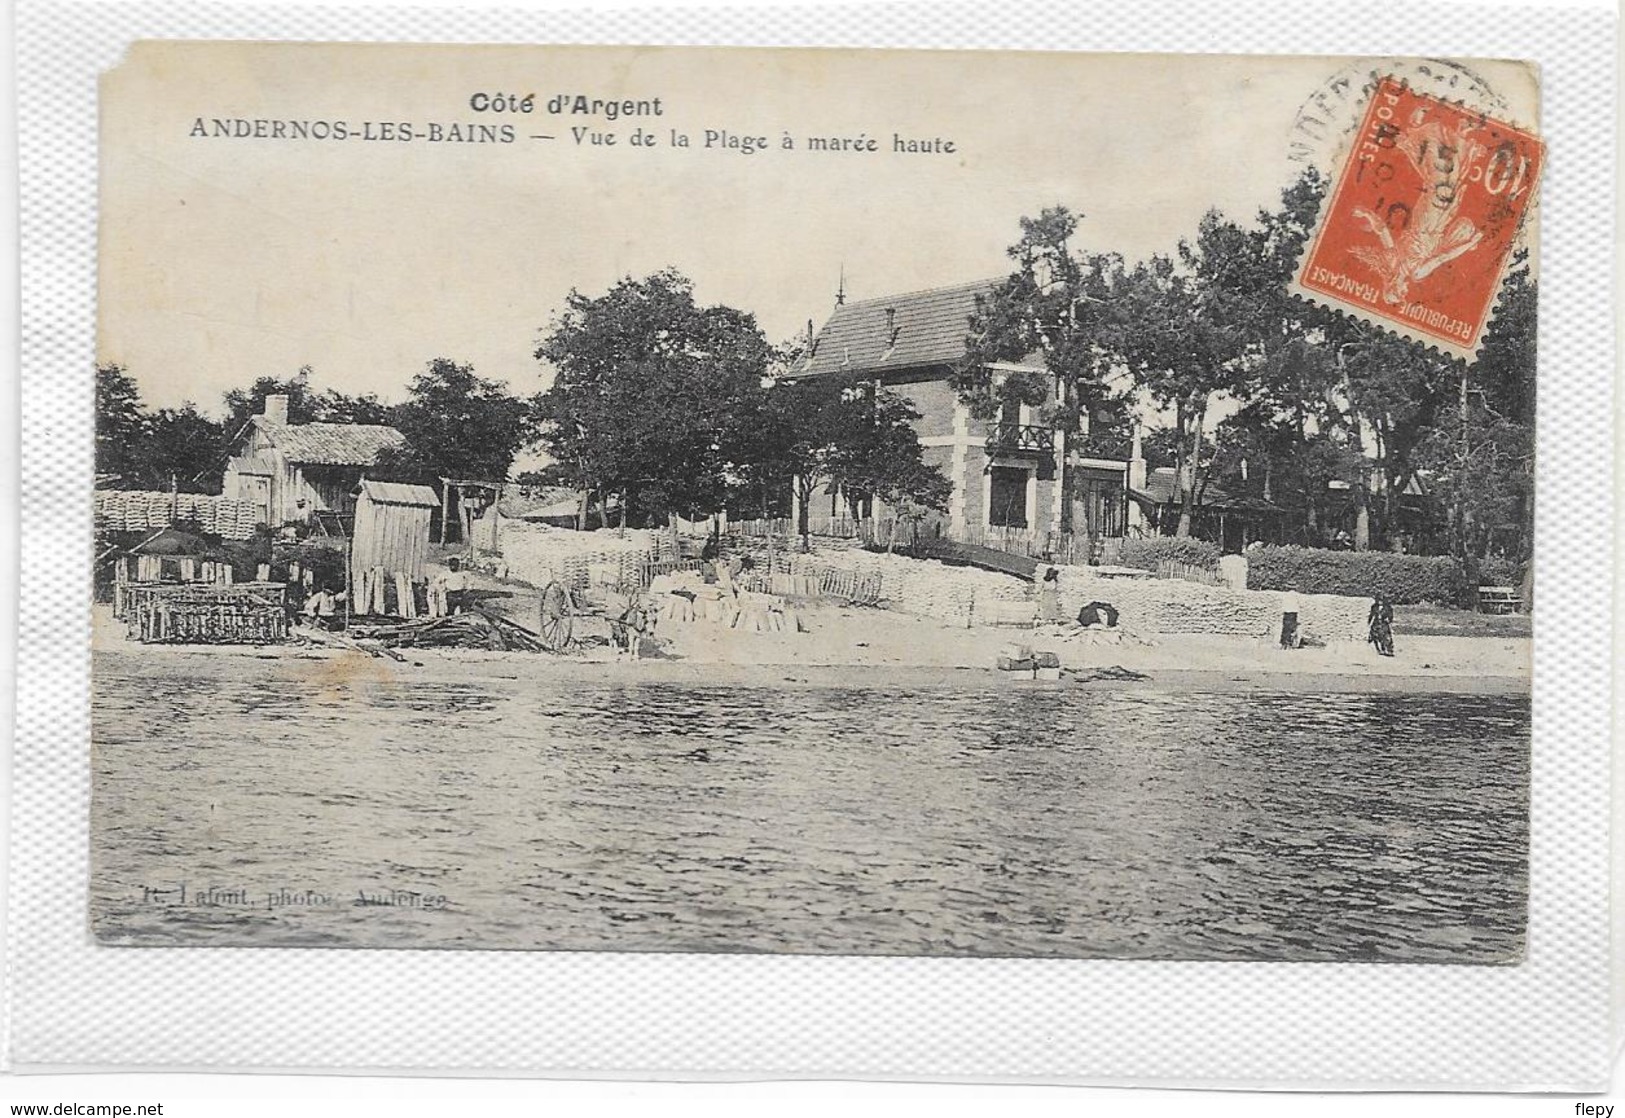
(1500, 572)
(1151, 551)
(1402, 579)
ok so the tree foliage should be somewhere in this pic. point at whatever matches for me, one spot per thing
(183, 445)
(457, 424)
(1056, 306)
(832, 430)
(683, 408)
(304, 403)
(652, 394)
(120, 424)
(1186, 327)
(1423, 450)
(138, 449)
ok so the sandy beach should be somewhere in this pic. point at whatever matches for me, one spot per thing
(854, 645)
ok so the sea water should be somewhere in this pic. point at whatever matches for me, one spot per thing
(965, 817)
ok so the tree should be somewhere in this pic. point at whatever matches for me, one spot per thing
(1331, 397)
(1291, 373)
(120, 424)
(833, 430)
(1161, 447)
(1057, 304)
(1181, 328)
(653, 396)
(303, 403)
(145, 450)
(801, 424)
(875, 452)
(768, 443)
(457, 424)
(334, 406)
(184, 446)
(1479, 453)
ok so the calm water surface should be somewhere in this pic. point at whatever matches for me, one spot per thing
(970, 818)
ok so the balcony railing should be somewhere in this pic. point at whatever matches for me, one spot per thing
(1020, 438)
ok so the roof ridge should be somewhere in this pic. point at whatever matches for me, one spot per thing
(324, 423)
(881, 300)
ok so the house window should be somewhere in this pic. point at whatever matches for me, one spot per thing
(1007, 497)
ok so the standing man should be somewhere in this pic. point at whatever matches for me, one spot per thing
(1290, 606)
(451, 586)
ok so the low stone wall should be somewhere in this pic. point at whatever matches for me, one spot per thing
(1150, 606)
(1173, 606)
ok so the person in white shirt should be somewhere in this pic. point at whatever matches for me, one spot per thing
(323, 608)
(451, 585)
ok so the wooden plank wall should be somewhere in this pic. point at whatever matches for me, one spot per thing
(394, 537)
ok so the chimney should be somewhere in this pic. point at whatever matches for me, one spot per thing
(276, 409)
(1136, 463)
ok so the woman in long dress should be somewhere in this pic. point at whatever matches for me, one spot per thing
(1381, 621)
(1049, 596)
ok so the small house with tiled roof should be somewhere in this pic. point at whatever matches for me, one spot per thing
(292, 471)
(1231, 520)
(1006, 473)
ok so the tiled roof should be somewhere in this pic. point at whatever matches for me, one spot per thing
(330, 444)
(923, 328)
(398, 493)
(260, 463)
(1160, 489)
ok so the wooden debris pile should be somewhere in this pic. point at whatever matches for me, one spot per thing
(477, 628)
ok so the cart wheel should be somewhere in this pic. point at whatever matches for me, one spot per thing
(557, 625)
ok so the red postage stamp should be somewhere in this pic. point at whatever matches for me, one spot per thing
(1421, 221)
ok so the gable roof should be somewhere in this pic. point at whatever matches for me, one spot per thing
(330, 444)
(398, 493)
(924, 328)
(171, 541)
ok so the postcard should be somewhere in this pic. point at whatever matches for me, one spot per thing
(815, 502)
(872, 542)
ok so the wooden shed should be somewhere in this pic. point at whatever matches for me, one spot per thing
(391, 529)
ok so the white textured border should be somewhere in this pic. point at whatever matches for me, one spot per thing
(1544, 1025)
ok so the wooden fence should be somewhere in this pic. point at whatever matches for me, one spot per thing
(831, 527)
(241, 614)
(757, 529)
(1185, 572)
(797, 578)
(1060, 548)
(648, 572)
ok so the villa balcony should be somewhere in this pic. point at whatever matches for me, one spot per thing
(1020, 438)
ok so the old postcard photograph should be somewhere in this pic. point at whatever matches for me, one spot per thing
(847, 502)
